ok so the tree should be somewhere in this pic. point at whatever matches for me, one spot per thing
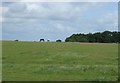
(98, 37)
(90, 37)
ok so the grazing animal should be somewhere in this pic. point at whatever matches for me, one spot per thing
(59, 40)
(16, 40)
(42, 40)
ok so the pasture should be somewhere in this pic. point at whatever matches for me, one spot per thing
(55, 61)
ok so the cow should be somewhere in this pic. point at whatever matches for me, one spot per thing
(42, 40)
(59, 40)
(48, 40)
(17, 40)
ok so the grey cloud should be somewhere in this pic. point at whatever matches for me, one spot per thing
(49, 20)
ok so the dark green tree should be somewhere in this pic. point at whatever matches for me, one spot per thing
(99, 37)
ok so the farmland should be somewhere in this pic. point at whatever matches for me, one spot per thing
(55, 61)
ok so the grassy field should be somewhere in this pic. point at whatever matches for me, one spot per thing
(43, 61)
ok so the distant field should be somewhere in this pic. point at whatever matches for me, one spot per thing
(43, 61)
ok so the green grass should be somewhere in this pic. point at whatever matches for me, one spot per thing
(43, 61)
(0, 61)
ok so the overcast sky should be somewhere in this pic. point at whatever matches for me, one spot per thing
(56, 20)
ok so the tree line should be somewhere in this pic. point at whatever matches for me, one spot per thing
(98, 37)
